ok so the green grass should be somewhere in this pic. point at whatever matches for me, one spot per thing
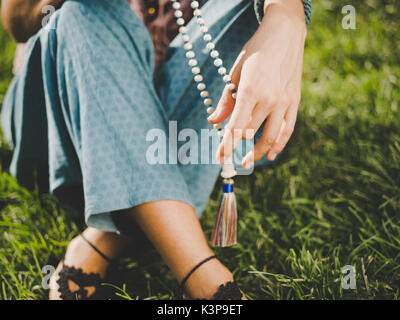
(332, 200)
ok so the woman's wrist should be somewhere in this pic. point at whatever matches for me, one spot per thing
(294, 6)
(290, 12)
(301, 8)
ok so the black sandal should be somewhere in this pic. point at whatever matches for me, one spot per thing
(227, 291)
(82, 280)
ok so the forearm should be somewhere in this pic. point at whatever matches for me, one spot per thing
(23, 18)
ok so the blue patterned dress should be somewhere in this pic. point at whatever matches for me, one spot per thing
(79, 112)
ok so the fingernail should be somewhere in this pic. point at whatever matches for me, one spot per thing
(213, 115)
(272, 156)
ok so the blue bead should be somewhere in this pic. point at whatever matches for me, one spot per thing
(227, 188)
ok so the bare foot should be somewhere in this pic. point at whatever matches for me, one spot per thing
(80, 255)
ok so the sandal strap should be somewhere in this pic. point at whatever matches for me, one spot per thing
(182, 285)
(228, 291)
(82, 280)
(94, 248)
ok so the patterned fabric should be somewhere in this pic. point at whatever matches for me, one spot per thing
(159, 18)
(79, 111)
(259, 9)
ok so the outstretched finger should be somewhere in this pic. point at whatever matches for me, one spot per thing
(285, 133)
(238, 123)
(269, 135)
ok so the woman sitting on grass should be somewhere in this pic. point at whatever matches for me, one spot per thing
(102, 74)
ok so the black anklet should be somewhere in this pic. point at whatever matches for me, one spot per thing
(227, 291)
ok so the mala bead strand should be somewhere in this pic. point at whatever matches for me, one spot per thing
(191, 56)
(228, 170)
(224, 233)
(214, 54)
(225, 228)
(188, 46)
(211, 47)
